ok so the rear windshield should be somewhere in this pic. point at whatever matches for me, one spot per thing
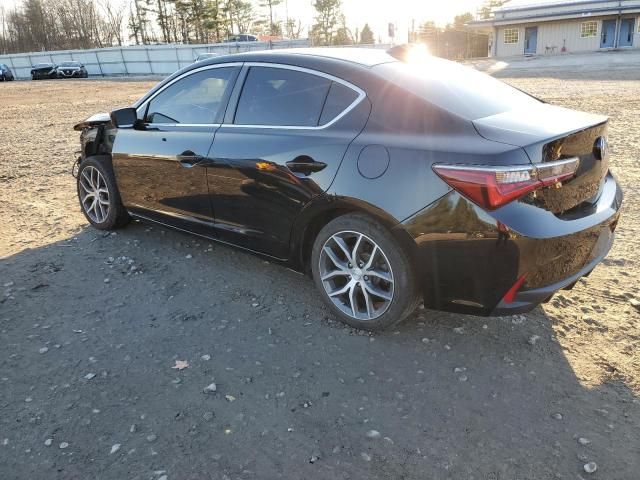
(460, 90)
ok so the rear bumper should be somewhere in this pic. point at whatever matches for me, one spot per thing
(527, 300)
(467, 259)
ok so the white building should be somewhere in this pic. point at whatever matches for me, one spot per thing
(563, 27)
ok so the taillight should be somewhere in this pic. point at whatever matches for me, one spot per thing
(492, 187)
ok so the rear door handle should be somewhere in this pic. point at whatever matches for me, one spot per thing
(189, 159)
(305, 165)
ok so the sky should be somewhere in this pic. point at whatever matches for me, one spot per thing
(378, 13)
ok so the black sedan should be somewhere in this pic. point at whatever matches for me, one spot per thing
(6, 75)
(44, 71)
(72, 70)
(387, 180)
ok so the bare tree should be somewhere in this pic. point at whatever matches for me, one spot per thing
(138, 22)
(293, 28)
(114, 21)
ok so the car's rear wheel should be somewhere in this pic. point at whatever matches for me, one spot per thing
(363, 274)
(98, 194)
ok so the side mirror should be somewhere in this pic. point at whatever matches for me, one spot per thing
(124, 118)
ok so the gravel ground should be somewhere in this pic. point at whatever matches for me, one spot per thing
(268, 385)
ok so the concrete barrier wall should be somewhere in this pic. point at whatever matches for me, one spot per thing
(137, 60)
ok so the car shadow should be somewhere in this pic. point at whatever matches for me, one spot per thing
(91, 327)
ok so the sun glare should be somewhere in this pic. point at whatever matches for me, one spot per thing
(418, 53)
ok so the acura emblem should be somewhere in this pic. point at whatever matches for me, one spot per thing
(600, 148)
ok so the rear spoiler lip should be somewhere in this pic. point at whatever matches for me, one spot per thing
(93, 121)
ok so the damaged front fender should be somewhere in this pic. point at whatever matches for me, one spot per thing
(93, 121)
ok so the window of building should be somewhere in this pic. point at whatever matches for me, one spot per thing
(278, 97)
(511, 35)
(588, 29)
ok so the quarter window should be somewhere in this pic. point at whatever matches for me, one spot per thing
(338, 100)
(281, 97)
(511, 35)
(588, 29)
(195, 99)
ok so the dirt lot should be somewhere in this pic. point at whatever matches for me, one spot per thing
(91, 325)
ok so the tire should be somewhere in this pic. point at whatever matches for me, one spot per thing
(334, 273)
(95, 174)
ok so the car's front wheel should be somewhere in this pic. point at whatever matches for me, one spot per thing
(98, 194)
(363, 274)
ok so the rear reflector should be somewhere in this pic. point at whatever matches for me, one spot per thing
(492, 187)
(511, 293)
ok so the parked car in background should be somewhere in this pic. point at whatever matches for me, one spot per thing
(72, 70)
(6, 75)
(44, 70)
(204, 56)
(243, 37)
(387, 181)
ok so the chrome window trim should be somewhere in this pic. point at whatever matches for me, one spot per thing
(184, 124)
(144, 105)
(354, 104)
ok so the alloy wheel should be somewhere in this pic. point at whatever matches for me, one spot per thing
(356, 275)
(94, 194)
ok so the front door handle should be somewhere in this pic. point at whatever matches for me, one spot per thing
(305, 165)
(189, 159)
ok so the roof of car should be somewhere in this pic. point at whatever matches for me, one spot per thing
(346, 63)
(367, 57)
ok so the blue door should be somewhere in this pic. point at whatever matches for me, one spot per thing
(530, 40)
(608, 34)
(625, 37)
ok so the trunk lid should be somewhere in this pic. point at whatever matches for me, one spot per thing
(548, 133)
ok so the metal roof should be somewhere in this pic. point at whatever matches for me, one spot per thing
(558, 11)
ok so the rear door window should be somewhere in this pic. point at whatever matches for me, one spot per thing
(196, 99)
(281, 97)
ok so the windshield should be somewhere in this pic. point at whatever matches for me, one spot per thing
(460, 90)
(42, 65)
(69, 64)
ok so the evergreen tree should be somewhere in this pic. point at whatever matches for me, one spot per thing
(328, 12)
(486, 9)
(366, 36)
